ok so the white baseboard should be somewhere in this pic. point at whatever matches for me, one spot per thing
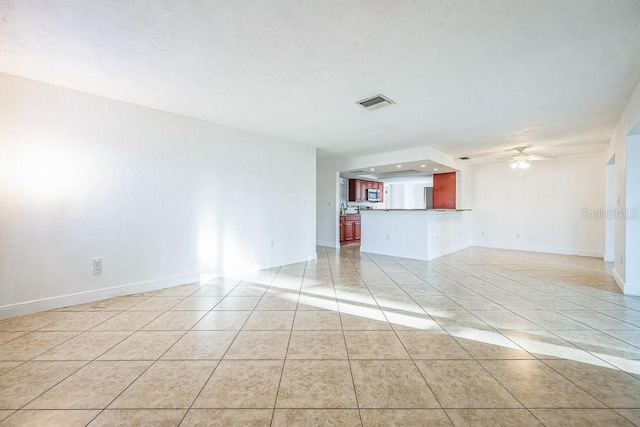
(327, 244)
(541, 249)
(632, 289)
(618, 279)
(59, 301)
(608, 258)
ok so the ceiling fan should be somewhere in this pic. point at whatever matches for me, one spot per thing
(521, 159)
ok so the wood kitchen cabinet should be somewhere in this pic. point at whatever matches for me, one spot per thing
(444, 190)
(350, 226)
(358, 189)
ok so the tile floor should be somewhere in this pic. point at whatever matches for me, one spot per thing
(479, 337)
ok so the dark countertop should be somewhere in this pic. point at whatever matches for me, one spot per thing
(417, 210)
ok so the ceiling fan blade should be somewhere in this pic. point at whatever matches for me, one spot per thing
(538, 157)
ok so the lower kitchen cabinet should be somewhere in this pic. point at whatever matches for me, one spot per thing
(350, 226)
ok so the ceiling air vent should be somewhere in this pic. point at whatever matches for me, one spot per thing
(375, 102)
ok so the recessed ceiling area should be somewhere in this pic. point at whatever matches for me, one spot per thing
(398, 172)
(467, 77)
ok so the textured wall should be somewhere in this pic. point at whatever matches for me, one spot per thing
(159, 197)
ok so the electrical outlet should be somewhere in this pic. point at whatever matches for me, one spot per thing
(273, 243)
(96, 266)
(388, 236)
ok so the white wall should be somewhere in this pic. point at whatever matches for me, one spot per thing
(327, 203)
(541, 209)
(610, 201)
(423, 235)
(161, 198)
(618, 147)
(632, 215)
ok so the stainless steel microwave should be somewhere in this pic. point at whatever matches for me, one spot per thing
(373, 195)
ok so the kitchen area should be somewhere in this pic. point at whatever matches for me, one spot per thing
(406, 210)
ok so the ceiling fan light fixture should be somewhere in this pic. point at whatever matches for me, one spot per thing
(520, 164)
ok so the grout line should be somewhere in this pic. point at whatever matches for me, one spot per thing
(284, 362)
(346, 347)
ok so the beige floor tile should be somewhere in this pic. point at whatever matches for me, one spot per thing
(504, 319)
(10, 336)
(465, 384)
(366, 321)
(248, 290)
(601, 344)
(407, 321)
(33, 344)
(452, 321)
(374, 345)
(597, 320)
(201, 345)
(227, 417)
(316, 384)
(139, 418)
(197, 303)
(32, 322)
(26, 382)
(242, 384)
(117, 303)
(492, 418)
(157, 303)
(547, 345)
(317, 345)
(317, 302)
(391, 384)
(317, 321)
(404, 417)
(632, 415)
(486, 344)
(86, 346)
(259, 345)
(143, 345)
(5, 413)
(316, 417)
(223, 321)
(179, 291)
(7, 366)
(80, 321)
(213, 291)
(92, 387)
(175, 321)
(184, 379)
(580, 418)
(431, 345)
(538, 386)
(128, 321)
(281, 302)
(237, 303)
(614, 388)
(270, 321)
(50, 418)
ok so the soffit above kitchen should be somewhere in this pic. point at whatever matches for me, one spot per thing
(398, 172)
(466, 77)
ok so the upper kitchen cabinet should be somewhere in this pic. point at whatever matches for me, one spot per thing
(444, 190)
(358, 189)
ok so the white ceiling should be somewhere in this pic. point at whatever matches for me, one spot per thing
(467, 76)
